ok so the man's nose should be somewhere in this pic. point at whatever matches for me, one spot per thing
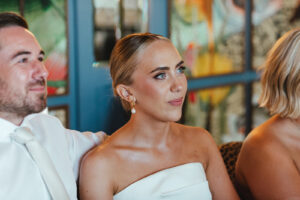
(40, 70)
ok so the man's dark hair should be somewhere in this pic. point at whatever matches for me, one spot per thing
(12, 19)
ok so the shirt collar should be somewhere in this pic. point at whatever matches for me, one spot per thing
(7, 127)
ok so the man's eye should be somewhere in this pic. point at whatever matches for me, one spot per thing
(23, 60)
(41, 59)
(160, 76)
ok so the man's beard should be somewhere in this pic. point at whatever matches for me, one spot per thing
(19, 103)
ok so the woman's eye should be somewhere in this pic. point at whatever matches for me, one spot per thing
(181, 69)
(160, 76)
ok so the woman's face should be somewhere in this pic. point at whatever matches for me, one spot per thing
(159, 83)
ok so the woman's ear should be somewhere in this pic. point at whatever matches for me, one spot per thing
(123, 92)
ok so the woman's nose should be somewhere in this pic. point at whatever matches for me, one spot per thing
(177, 85)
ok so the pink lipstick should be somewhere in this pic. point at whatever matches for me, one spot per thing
(176, 102)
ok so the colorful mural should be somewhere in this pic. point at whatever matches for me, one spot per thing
(202, 30)
(210, 35)
(222, 115)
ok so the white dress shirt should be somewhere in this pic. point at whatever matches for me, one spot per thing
(20, 178)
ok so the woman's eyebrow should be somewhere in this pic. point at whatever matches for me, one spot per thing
(180, 63)
(160, 68)
(166, 68)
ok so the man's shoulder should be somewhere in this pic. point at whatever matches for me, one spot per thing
(42, 117)
(44, 124)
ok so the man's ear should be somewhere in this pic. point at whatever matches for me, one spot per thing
(124, 92)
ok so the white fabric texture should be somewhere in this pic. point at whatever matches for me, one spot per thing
(23, 135)
(20, 175)
(183, 182)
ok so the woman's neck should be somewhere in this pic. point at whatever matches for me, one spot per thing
(148, 131)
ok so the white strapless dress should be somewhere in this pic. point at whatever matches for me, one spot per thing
(183, 182)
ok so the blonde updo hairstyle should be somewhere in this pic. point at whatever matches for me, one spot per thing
(281, 77)
(123, 60)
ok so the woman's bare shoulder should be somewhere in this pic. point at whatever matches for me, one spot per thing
(196, 134)
(263, 145)
(265, 161)
(102, 156)
(98, 177)
(199, 140)
(267, 136)
(192, 130)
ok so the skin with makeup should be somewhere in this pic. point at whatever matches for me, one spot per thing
(151, 141)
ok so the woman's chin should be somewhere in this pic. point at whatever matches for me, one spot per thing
(176, 118)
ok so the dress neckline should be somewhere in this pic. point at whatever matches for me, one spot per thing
(158, 173)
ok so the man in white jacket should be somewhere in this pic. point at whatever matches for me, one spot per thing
(23, 78)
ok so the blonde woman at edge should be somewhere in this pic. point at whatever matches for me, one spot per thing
(152, 157)
(268, 166)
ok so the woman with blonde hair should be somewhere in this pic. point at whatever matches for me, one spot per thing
(152, 157)
(268, 166)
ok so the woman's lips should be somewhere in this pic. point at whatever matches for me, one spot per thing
(176, 102)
